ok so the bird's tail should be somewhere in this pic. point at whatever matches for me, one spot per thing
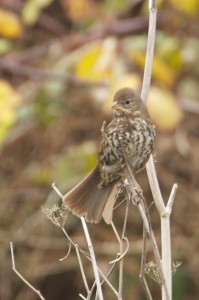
(87, 199)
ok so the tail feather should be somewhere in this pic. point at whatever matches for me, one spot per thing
(76, 200)
(86, 199)
(97, 202)
(108, 209)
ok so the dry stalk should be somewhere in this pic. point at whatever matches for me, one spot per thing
(22, 277)
(163, 210)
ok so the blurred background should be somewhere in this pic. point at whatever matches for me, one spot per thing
(61, 62)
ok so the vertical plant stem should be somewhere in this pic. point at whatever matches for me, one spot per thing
(143, 263)
(166, 242)
(82, 269)
(121, 273)
(140, 205)
(143, 260)
(149, 51)
(121, 267)
(93, 260)
(165, 223)
(166, 255)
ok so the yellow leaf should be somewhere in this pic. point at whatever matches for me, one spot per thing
(163, 109)
(10, 25)
(8, 95)
(31, 10)
(30, 13)
(78, 10)
(96, 60)
(190, 7)
(161, 71)
(9, 99)
(5, 45)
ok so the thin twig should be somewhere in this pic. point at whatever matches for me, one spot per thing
(108, 282)
(67, 254)
(82, 268)
(154, 185)
(121, 267)
(142, 268)
(121, 272)
(141, 209)
(125, 218)
(120, 256)
(83, 297)
(115, 232)
(146, 288)
(86, 254)
(171, 198)
(93, 259)
(20, 276)
(105, 278)
(90, 247)
(57, 190)
(123, 253)
(77, 248)
(150, 51)
(89, 258)
(166, 243)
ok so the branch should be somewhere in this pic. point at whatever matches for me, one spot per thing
(82, 269)
(20, 276)
(149, 51)
(122, 252)
(92, 253)
(93, 260)
(140, 204)
(152, 177)
(41, 74)
(143, 264)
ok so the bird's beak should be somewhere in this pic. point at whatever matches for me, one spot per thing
(116, 106)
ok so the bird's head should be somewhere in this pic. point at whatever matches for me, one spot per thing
(126, 101)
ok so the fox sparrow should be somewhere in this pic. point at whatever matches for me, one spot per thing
(128, 137)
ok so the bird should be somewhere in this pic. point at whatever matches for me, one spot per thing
(129, 137)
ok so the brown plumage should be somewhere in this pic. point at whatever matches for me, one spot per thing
(129, 135)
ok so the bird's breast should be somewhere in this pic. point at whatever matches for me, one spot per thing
(130, 139)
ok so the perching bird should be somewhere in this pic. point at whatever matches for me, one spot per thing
(128, 137)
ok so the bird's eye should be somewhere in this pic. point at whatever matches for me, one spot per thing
(127, 101)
